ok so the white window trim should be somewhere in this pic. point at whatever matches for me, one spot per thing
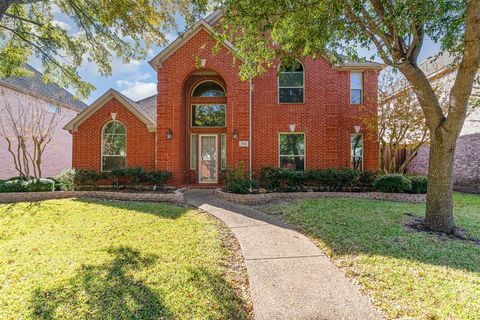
(361, 90)
(223, 136)
(363, 150)
(295, 87)
(193, 164)
(208, 80)
(286, 155)
(207, 104)
(102, 146)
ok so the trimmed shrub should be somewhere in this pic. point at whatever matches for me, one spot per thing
(393, 183)
(237, 181)
(419, 184)
(13, 186)
(136, 175)
(366, 180)
(323, 179)
(159, 178)
(84, 177)
(66, 179)
(347, 179)
(40, 185)
(35, 185)
(276, 179)
(269, 178)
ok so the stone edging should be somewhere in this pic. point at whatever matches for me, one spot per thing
(251, 199)
(176, 196)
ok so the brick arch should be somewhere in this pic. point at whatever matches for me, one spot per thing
(173, 75)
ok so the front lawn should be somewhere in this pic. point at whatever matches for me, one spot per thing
(78, 259)
(408, 274)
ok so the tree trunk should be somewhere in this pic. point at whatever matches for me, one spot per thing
(439, 212)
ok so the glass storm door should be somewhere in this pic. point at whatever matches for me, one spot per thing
(208, 159)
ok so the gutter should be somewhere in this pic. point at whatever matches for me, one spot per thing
(250, 129)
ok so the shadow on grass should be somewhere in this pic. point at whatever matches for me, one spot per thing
(164, 210)
(376, 228)
(103, 291)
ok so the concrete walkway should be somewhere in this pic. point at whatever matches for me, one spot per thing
(290, 278)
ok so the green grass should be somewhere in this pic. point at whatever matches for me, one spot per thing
(408, 274)
(74, 259)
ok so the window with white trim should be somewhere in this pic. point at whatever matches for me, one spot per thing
(356, 87)
(291, 83)
(356, 151)
(114, 146)
(292, 151)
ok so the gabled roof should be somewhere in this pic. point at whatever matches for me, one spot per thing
(182, 39)
(36, 86)
(143, 112)
(149, 106)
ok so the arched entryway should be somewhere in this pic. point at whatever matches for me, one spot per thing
(206, 123)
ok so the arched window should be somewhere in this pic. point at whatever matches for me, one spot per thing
(291, 83)
(114, 146)
(209, 89)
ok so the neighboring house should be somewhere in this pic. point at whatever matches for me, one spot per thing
(205, 119)
(24, 92)
(467, 154)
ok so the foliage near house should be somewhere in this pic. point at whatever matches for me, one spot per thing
(409, 275)
(78, 259)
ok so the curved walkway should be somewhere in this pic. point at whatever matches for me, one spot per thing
(290, 277)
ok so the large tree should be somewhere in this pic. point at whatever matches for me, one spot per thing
(263, 30)
(100, 30)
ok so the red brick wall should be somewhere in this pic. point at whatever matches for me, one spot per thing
(326, 116)
(172, 77)
(87, 139)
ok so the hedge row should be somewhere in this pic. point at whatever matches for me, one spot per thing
(273, 179)
(120, 178)
(20, 185)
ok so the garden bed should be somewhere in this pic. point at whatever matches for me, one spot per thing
(136, 195)
(252, 199)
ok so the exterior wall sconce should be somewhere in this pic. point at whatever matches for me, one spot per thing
(169, 134)
(235, 134)
(357, 129)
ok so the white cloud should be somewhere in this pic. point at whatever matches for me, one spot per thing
(137, 90)
(61, 24)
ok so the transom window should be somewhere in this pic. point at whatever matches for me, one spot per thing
(114, 146)
(291, 83)
(292, 151)
(208, 115)
(356, 151)
(209, 89)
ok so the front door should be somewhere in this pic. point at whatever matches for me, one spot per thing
(208, 159)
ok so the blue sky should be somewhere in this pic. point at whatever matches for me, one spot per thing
(137, 79)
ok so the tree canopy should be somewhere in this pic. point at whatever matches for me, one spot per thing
(102, 30)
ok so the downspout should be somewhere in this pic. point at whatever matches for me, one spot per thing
(250, 130)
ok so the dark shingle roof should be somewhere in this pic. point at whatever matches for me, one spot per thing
(36, 85)
(148, 106)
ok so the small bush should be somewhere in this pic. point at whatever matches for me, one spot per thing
(419, 184)
(40, 185)
(323, 179)
(269, 178)
(84, 177)
(277, 179)
(393, 183)
(347, 179)
(13, 186)
(159, 178)
(136, 175)
(366, 180)
(66, 179)
(237, 181)
(34, 185)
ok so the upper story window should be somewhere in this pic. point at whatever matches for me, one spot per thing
(209, 89)
(114, 146)
(291, 83)
(356, 87)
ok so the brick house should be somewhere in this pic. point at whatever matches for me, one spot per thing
(32, 94)
(205, 119)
